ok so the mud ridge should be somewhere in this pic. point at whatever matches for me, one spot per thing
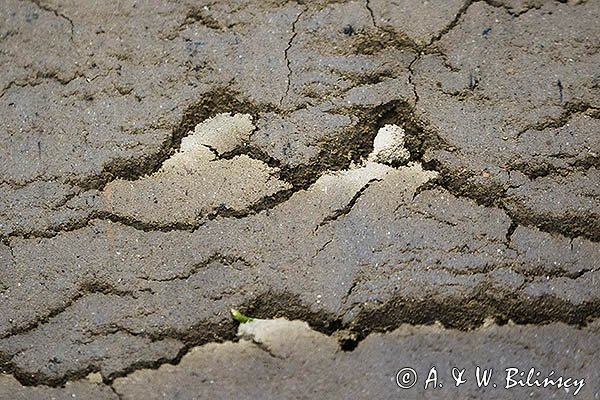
(571, 225)
(451, 313)
(84, 289)
(470, 314)
(570, 109)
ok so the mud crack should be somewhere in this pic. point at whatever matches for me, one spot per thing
(286, 57)
(58, 14)
(371, 13)
(348, 207)
(570, 110)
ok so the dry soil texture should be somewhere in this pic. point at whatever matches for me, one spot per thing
(394, 173)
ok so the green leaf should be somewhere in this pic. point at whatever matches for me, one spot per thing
(239, 317)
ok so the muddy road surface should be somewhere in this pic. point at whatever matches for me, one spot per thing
(414, 185)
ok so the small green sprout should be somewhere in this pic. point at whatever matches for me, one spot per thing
(239, 317)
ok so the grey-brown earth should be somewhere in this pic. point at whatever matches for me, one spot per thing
(162, 162)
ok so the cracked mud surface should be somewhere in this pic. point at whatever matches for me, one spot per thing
(357, 165)
(279, 350)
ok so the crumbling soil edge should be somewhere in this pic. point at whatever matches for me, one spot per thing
(456, 313)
